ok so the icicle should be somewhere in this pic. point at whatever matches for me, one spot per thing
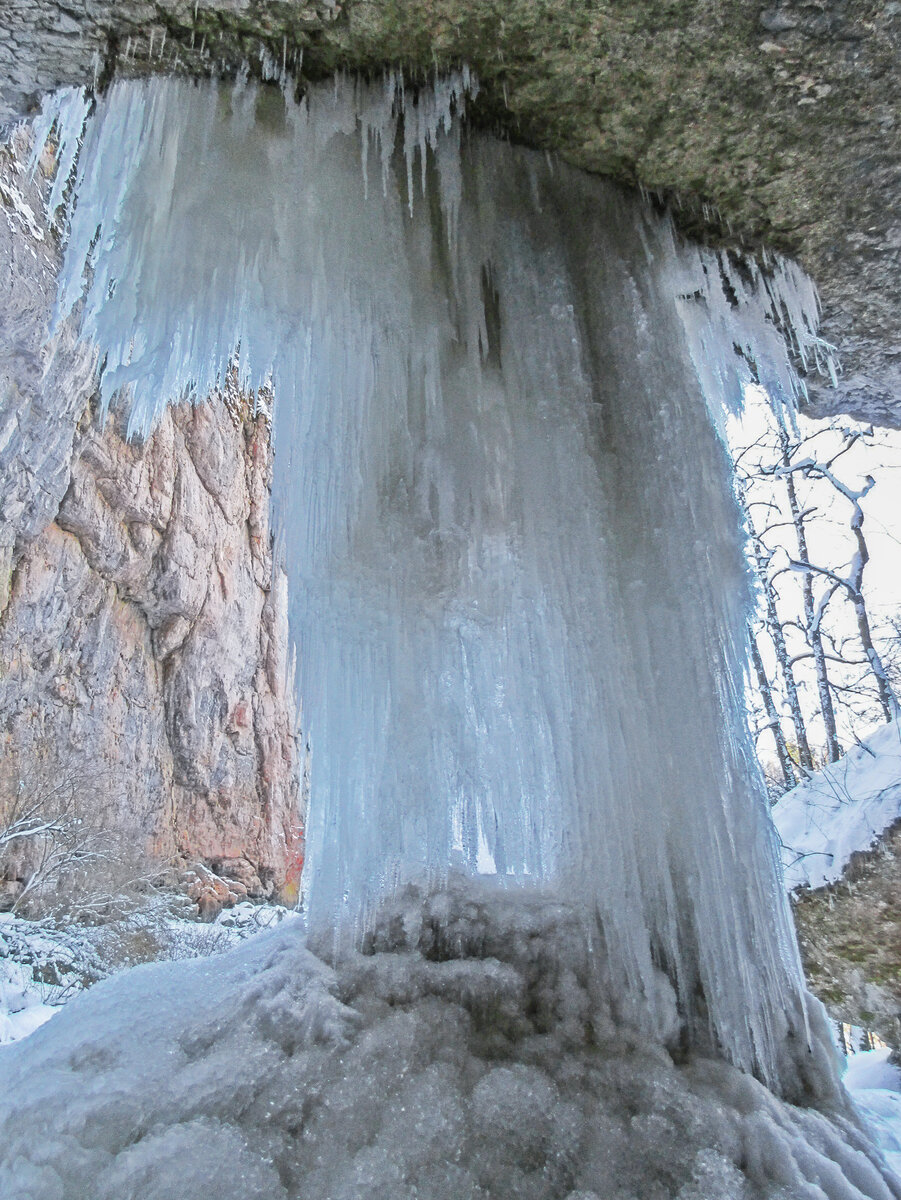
(514, 551)
(64, 113)
(269, 67)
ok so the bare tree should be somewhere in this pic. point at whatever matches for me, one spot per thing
(773, 622)
(49, 823)
(812, 616)
(852, 581)
(798, 593)
(772, 723)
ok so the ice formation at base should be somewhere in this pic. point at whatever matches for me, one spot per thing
(514, 553)
(465, 1054)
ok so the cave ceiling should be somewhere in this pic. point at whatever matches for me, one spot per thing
(761, 127)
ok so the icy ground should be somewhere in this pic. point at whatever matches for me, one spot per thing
(44, 964)
(464, 1054)
(840, 809)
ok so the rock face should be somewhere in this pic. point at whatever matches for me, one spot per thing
(763, 124)
(146, 629)
(850, 936)
(143, 621)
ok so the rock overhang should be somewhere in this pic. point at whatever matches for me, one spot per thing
(770, 127)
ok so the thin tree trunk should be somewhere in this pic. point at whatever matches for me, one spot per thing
(853, 585)
(773, 723)
(776, 632)
(887, 698)
(812, 625)
(777, 635)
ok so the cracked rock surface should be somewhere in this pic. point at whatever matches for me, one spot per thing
(146, 628)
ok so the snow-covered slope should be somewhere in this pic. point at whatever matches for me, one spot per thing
(44, 965)
(841, 809)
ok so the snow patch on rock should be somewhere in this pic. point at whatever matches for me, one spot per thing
(840, 810)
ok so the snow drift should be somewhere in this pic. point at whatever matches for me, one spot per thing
(841, 809)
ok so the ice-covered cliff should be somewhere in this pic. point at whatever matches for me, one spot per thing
(509, 529)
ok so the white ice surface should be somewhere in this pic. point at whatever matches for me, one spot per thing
(464, 1056)
(841, 809)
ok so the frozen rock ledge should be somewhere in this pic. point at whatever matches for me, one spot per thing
(464, 1054)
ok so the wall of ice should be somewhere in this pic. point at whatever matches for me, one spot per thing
(518, 589)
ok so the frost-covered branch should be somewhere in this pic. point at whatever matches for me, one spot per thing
(44, 833)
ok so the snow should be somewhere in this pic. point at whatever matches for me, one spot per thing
(44, 964)
(872, 1069)
(465, 1054)
(22, 1006)
(875, 1087)
(841, 809)
(20, 216)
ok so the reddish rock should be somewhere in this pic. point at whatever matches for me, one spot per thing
(210, 893)
(146, 633)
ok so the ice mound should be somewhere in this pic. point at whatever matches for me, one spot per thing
(464, 1053)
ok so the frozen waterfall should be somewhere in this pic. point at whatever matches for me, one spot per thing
(518, 588)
